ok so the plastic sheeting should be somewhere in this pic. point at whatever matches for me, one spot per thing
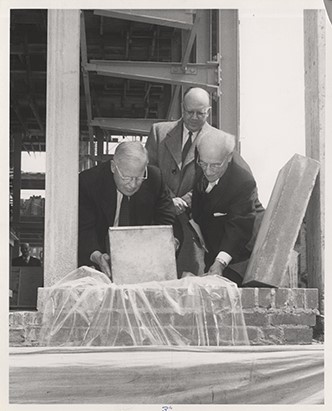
(86, 309)
(167, 375)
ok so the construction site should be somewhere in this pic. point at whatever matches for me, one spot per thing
(82, 81)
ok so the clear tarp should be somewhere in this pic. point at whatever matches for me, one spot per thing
(86, 309)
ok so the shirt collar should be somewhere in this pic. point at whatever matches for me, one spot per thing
(186, 132)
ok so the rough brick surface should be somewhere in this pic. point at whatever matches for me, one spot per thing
(298, 335)
(248, 297)
(297, 298)
(304, 318)
(311, 297)
(256, 318)
(273, 335)
(266, 297)
(281, 298)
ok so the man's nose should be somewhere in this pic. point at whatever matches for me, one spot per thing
(133, 183)
(195, 116)
(208, 170)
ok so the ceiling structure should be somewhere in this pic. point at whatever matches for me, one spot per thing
(107, 38)
(134, 66)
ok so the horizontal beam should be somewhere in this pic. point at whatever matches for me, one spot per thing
(182, 19)
(125, 125)
(203, 75)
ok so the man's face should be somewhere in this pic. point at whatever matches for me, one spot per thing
(25, 249)
(128, 176)
(195, 113)
(213, 163)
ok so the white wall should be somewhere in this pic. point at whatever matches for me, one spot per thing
(272, 125)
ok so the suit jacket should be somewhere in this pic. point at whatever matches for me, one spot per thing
(229, 215)
(151, 204)
(19, 262)
(164, 146)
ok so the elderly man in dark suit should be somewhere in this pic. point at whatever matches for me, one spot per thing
(171, 146)
(123, 191)
(225, 205)
(25, 259)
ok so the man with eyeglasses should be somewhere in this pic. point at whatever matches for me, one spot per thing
(123, 191)
(171, 147)
(225, 205)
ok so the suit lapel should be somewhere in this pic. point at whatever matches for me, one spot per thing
(108, 194)
(188, 167)
(191, 153)
(173, 141)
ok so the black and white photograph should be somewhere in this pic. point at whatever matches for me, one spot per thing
(165, 179)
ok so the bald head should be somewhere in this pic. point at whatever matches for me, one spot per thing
(196, 108)
(197, 94)
(215, 149)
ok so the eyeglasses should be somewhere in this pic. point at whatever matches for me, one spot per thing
(199, 114)
(128, 179)
(214, 167)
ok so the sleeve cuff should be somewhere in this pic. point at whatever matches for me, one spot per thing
(224, 258)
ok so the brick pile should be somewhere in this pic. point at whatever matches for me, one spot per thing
(280, 316)
(273, 316)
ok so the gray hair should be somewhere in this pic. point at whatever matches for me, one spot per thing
(218, 139)
(129, 150)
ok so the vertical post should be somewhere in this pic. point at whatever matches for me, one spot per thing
(314, 63)
(227, 46)
(17, 188)
(62, 144)
(203, 50)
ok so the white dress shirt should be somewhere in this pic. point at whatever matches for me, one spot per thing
(222, 255)
(119, 197)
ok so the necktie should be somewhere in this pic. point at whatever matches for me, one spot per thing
(186, 147)
(124, 217)
(210, 186)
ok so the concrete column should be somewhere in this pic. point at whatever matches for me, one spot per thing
(227, 46)
(315, 75)
(62, 144)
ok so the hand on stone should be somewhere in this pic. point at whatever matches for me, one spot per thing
(216, 268)
(103, 261)
(180, 205)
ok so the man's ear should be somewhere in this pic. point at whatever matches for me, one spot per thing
(112, 166)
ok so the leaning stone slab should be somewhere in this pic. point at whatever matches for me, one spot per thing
(281, 223)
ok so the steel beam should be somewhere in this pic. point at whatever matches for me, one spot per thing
(182, 19)
(126, 125)
(199, 75)
(34, 109)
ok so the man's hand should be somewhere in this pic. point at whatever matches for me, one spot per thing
(176, 244)
(103, 260)
(180, 205)
(216, 268)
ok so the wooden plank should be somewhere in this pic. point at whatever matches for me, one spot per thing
(281, 223)
(315, 71)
